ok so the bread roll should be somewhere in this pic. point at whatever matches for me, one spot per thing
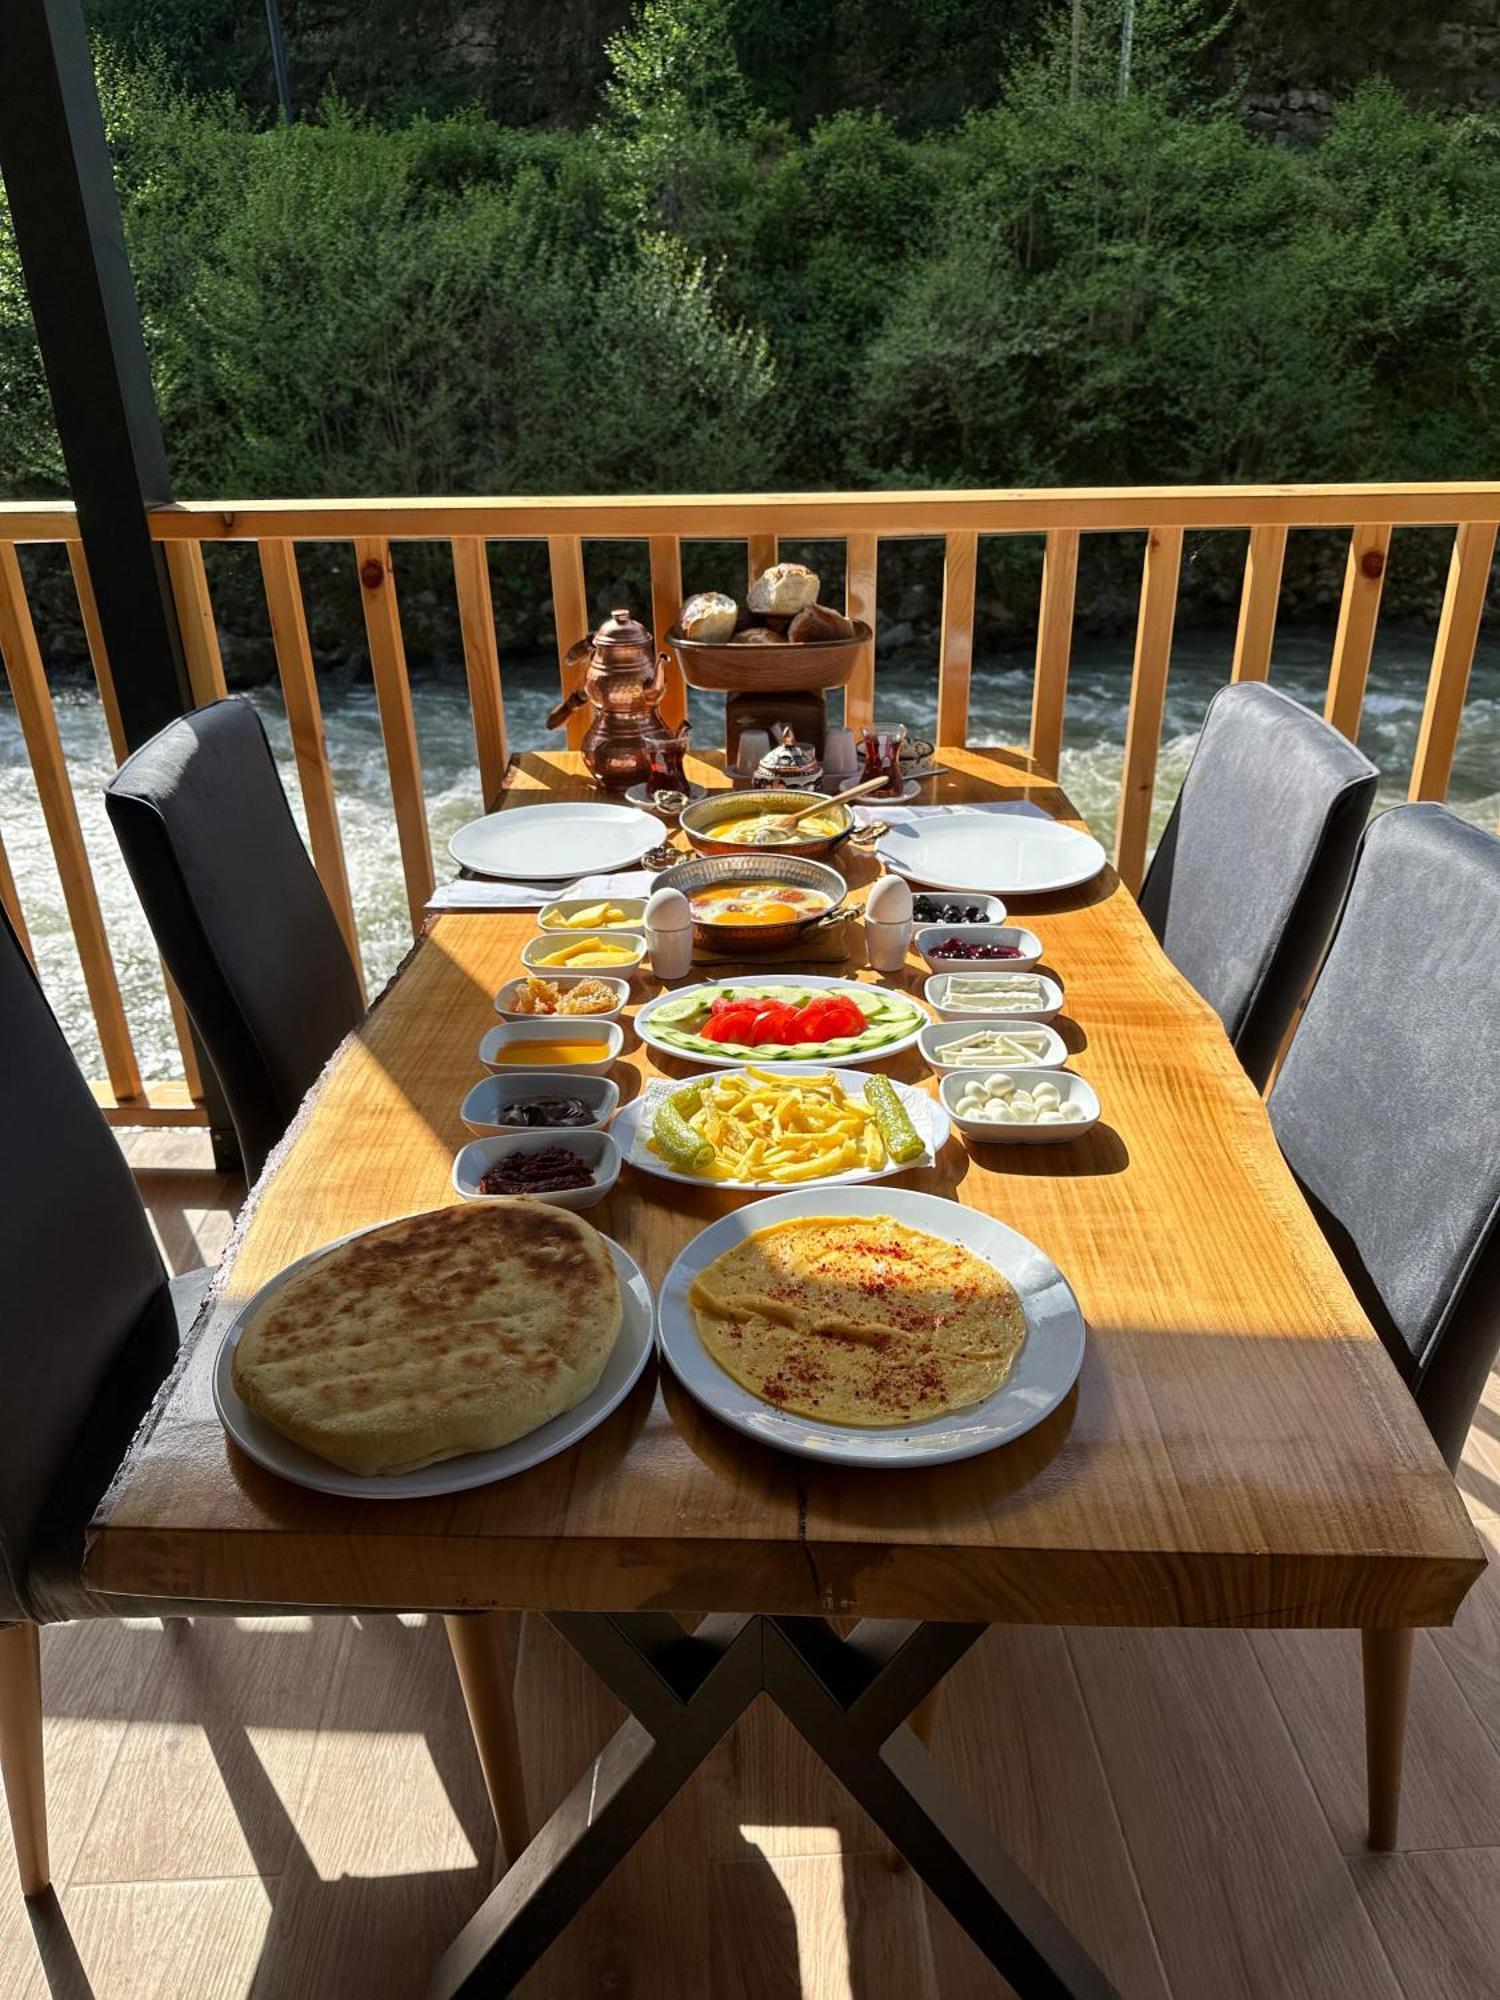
(756, 635)
(710, 616)
(784, 588)
(819, 622)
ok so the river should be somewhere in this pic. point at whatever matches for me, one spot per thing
(1098, 691)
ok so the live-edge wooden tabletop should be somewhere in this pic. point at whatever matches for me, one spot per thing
(1238, 1449)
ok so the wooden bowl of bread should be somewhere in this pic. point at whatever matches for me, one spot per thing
(781, 637)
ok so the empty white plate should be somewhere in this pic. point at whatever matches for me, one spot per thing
(992, 853)
(554, 843)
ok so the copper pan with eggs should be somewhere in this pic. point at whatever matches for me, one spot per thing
(756, 902)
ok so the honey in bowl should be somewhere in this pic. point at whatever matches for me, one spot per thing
(548, 1055)
(757, 903)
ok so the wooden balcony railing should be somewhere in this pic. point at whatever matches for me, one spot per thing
(859, 520)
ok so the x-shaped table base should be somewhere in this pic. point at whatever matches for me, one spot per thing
(850, 1699)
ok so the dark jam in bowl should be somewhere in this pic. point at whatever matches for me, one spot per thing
(960, 948)
(542, 1111)
(548, 1171)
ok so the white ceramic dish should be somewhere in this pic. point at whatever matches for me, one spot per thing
(808, 981)
(533, 952)
(1070, 1089)
(608, 1034)
(596, 1149)
(1007, 854)
(1045, 1369)
(993, 909)
(632, 908)
(1027, 943)
(555, 843)
(482, 1110)
(505, 999)
(632, 1350)
(940, 1035)
(929, 1117)
(935, 993)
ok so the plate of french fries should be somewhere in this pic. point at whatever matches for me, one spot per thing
(799, 1125)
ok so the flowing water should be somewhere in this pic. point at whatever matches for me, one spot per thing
(1097, 696)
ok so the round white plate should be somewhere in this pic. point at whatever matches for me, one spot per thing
(809, 980)
(450, 1475)
(1045, 1369)
(926, 1113)
(1004, 854)
(553, 843)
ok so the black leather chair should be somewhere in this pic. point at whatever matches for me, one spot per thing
(1245, 885)
(92, 1328)
(238, 912)
(1388, 1104)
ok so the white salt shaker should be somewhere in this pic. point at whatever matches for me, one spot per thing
(669, 934)
(888, 923)
(840, 758)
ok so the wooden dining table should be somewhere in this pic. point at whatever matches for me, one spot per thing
(1238, 1449)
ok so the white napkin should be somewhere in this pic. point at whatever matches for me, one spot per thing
(866, 815)
(488, 895)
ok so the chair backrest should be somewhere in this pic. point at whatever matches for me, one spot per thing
(238, 912)
(1255, 859)
(81, 1271)
(1388, 1104)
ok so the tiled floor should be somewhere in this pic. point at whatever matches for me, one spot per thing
(291, 1807)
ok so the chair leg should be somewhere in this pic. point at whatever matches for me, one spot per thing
(480, 1654)
(21, 1753)
(923, 1718)
(1387, 1664)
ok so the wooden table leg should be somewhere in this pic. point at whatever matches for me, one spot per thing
(21, 1753)
(477, 1640)
(1387, 1663)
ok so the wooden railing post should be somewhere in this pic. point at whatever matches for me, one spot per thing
(570, 614)
(956, 638)
(1452, 658)
(1259, 598)
(398, 725)
(861, 560)
(1054, 648)
(195, 616)
(1148, 693)
(476, 617)
(760, 553)
(666, 603)
(1364, 580)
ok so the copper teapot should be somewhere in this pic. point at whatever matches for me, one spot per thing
(623, 679)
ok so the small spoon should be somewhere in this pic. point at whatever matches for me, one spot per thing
(839, 799)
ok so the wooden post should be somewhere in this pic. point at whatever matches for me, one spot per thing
(1054, 648)
(956, 643)
(1259, 599)
(1364, 579)
(195, 616)
(760, 553)
(398, 725)
(1148, 693)
(666, 603)
(476, 617)
(861, 559)
(570, 615)
(1452, 657)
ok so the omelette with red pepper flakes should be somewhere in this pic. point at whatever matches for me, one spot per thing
(859, 1320)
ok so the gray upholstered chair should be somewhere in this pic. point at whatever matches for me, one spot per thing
(91, 1329)
(238, 912)
(1247, 880)
(1388, 1104)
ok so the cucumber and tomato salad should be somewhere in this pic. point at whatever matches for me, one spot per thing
(789, 1023)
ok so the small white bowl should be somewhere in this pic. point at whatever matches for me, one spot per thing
(550, 919)
(484, 1108)
(936, 990)
(632, 941)
(993, 908)
(1070, 1089)
(1026, 943)
(937, 1036)
(553, 1028)
(598, 1151)
(505, 999)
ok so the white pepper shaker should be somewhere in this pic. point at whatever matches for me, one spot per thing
(669, 934)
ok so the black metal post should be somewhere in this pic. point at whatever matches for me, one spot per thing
(60, 184)
(66, 214)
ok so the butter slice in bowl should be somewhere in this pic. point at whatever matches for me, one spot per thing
(610, 951)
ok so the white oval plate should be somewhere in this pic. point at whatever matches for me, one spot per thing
(1045, 1369)
(1002, 854)
(553, 843)
(926, 1113)
(278, 1454)
(819, 981)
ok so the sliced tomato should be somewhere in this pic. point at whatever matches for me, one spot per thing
(731, 1024)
